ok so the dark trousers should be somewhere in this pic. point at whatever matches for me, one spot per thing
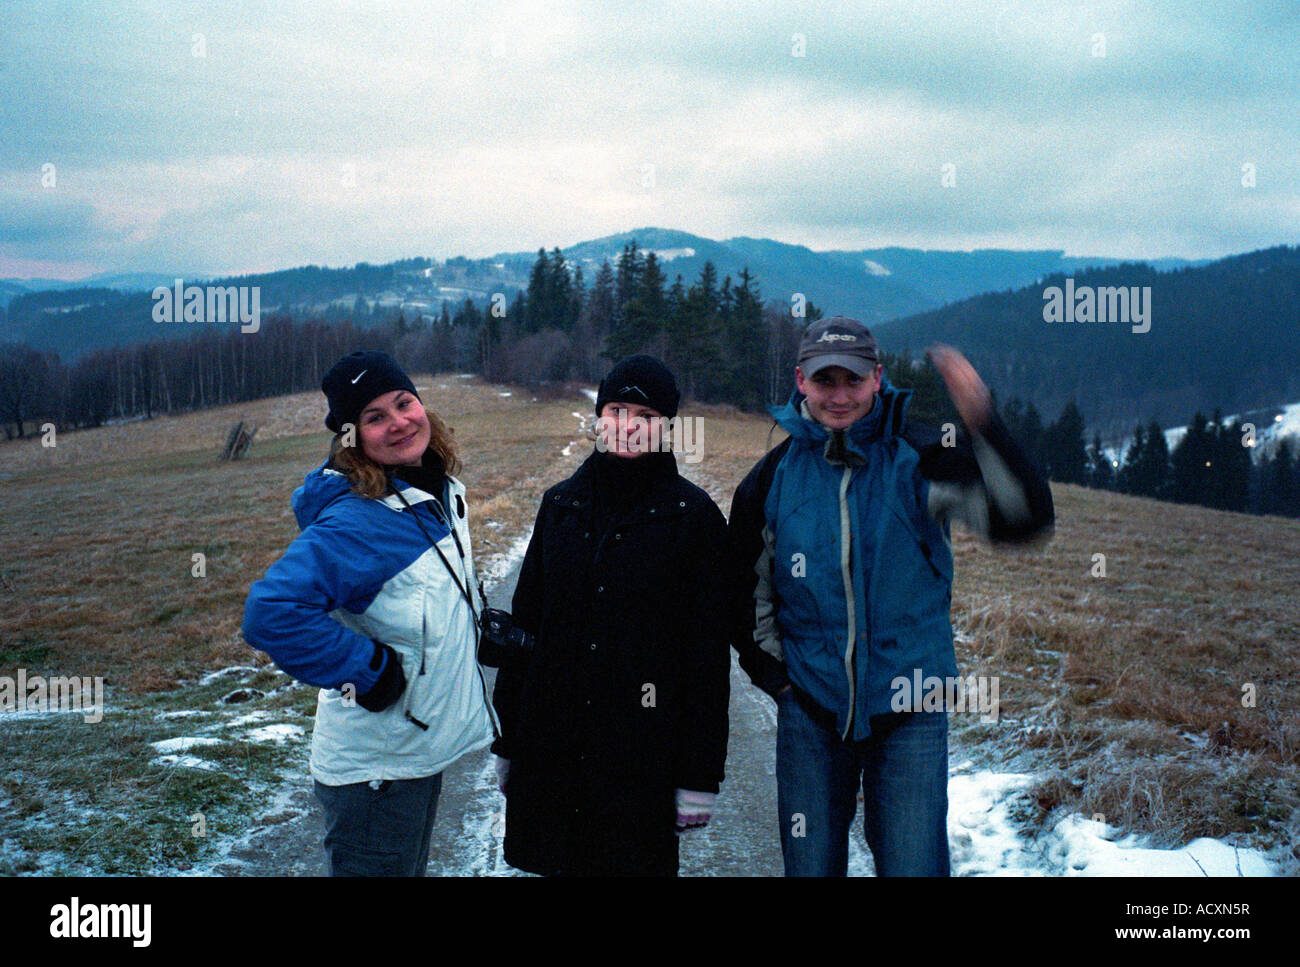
(379, 829)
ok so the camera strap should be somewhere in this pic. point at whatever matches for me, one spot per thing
(478, 624)
(446, 563)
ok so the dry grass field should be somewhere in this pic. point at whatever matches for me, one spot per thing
(1162, 695)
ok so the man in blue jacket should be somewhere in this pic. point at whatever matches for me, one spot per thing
(841, 540)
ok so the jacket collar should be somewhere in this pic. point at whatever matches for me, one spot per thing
(884, 421)
(415, 495)
(579, 490)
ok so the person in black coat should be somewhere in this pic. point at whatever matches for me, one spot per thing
(614, 728)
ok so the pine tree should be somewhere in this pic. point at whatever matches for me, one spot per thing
(651, 306)
(1066, 456)
(1280, 482)
(1101, 472)
(702, 323)
(559, 294)
(577, 300)
(536, 302)
(1134, 456)
(1154, 468)
(630, 263)
(1232, 468)
(1190, 461)
(748, 338)
(1032, 434)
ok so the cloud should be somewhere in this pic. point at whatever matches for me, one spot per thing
(244, 137)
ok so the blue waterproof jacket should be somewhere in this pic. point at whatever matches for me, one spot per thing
(843, 551)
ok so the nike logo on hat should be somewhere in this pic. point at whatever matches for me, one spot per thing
(360, 374)
(629, 389)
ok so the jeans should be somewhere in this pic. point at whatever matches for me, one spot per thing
(902, 768)
(381, 829)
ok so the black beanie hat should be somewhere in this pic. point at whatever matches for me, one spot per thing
(357, 379)
(640, 379)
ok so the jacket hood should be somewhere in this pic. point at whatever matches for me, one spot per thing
(320, 489)
(884, 420)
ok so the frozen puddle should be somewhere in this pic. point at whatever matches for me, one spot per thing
(986, 841)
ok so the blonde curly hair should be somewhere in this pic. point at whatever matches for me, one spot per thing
(369, 479)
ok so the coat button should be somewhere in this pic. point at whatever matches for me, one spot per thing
(586, 533)
(593, 646)
(681, 503)
(652, 510)
(618, 537)
(600, 589)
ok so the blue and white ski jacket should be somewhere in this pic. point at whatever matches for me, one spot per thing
(363, 570)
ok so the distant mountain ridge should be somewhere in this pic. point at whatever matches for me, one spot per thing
(874, 285)
(1224, 334)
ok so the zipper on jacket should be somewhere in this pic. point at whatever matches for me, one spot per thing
(846, 544)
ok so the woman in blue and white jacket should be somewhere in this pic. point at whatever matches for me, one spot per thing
(373, 602)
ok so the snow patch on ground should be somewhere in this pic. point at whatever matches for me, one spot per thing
(1083, 847)
(183, 714)
(261, 715)
(183, 743)
(233, 670)
(185, 762)
(19, 715)
(281, 807)
(277, 733)
(502, 564)
(986, 841)
(590, 394)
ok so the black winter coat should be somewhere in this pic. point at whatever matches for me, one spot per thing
(625, 697)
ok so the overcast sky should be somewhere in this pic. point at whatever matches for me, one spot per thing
(239, 137)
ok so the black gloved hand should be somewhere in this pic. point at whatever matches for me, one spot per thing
(391, 684)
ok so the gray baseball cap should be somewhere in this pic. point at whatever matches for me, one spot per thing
(838, 341)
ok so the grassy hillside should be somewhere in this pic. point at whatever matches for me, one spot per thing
(1122, 693)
